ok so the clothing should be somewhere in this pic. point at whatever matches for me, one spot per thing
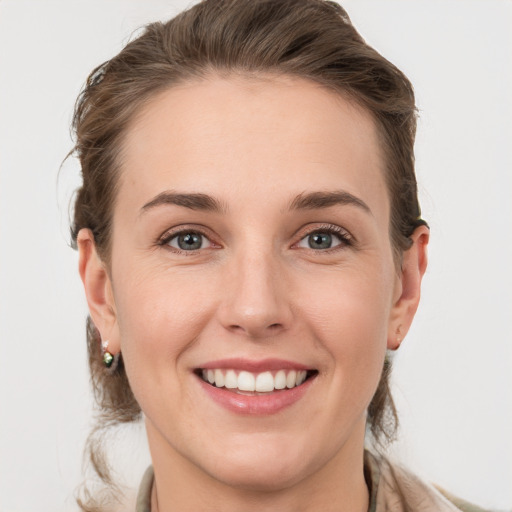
(392, 489)
(144, 495)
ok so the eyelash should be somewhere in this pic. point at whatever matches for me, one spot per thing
(166, 238)
(345, 238)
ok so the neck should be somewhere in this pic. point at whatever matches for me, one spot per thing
(180, 485)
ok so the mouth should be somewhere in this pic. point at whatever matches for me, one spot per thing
(255, 383)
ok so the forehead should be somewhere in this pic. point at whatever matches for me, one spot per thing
(269, 134)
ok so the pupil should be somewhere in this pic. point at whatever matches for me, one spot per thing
(189, 241)
(320, 241)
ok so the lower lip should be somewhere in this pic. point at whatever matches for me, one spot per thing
(266, 404)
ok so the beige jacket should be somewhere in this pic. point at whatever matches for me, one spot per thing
(392, 489)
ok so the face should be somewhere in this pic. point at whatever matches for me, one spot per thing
(252, 286)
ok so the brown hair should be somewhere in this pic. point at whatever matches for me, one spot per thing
(310, 39)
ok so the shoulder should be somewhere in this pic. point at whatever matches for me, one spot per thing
(393, 488)
(461, 504)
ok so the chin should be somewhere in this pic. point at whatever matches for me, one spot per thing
(262, 466)
(264, 477)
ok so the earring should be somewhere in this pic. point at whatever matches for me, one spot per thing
(109, 360)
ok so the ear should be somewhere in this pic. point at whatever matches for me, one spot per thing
(408, 287)
(98, 290)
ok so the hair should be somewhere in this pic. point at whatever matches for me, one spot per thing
(308, 39)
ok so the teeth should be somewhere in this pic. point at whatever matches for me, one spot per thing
(246, 381)
(280, 380)
(290, 379)
(219, 378)
(231, 380)
(264, 382)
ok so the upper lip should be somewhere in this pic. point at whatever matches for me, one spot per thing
(255, 366)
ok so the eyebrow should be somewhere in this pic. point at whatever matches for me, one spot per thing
(304, 201)
(317, 200)
(193, 201)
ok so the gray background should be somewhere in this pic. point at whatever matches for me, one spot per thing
(453, 374)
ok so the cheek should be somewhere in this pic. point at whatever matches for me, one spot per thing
(160, 313)
(349, 318)
(349, 306)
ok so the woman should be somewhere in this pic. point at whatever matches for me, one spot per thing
(251, 245)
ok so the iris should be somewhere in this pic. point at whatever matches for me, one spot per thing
(320, 241)
(189, 241)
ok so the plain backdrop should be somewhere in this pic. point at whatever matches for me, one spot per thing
(453, 374)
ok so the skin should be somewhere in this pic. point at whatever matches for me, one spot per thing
(256, 289)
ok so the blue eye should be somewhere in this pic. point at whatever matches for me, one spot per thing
(189, 241)
(324, 239)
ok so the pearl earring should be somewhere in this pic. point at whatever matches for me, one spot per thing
(109, 360)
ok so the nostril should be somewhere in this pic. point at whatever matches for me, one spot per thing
(270, 330)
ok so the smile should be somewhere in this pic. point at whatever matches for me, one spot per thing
(250, 382)
(251, 387)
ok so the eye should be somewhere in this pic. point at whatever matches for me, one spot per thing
(324, 239)
(188, 241)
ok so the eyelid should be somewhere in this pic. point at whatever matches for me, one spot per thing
(343, 234)
(167, 236)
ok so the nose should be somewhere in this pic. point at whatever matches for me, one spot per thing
(255, 295)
